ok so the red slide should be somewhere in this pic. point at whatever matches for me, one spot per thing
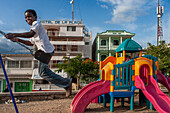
(87, 94)
(163, 80)
(160, 101)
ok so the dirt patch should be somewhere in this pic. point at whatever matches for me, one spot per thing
(63, 106)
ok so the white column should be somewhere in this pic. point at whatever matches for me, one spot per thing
(109, 45)
(19, 63)
(120, 39)
(6, 64)
(120, 43)
(33, 64)
(109, 42)
(98, 56)
(98, 42)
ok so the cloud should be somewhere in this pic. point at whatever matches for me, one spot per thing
(17, 31)
(111, 1)
(130, 26)
(144, 40)
(9, 47)
(104, 6)
(126, 11)
(1, 22)
(5, 45)
(150, 29)
(166, 28)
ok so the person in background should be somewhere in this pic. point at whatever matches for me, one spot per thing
(40, 89)
(128, 58)
(6, 89)
(164, 73)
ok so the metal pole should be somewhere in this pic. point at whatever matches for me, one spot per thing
(9, 87)
(73, 10)
(158, 24)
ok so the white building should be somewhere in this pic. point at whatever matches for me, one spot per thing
(70, 38)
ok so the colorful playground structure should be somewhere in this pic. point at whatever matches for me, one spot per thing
(120, 79)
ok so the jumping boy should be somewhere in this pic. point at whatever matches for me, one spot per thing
(39, 38)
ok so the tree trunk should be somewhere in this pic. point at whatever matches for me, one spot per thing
(78, 83)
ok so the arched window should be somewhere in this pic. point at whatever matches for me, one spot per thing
(103, 57)
(103, 42)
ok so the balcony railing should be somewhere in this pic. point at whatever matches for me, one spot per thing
(18, 71)
(46, 87)
(68, 42)
(107, 48)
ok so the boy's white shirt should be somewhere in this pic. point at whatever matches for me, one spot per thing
(41, 39)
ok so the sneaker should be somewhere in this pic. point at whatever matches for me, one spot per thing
(69, 89)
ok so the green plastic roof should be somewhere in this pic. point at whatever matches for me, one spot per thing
(129, 46)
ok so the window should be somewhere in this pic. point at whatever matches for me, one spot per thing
(54, 64)
(13, 64)
(86, 43)
(103, 42)
(74, 48)
(25, 64)
(60, 47)
(52, 32)
(115, 42)
(103, 57)
(71, 28)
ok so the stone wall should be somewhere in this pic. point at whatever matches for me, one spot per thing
(34, 96)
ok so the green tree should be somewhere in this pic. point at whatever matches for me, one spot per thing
(90, 71)
(80, 68)
(162, 52)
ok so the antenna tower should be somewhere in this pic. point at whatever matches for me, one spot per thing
(160, 11)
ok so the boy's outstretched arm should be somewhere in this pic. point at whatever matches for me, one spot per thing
(23, 35)
(26, 42)
(12, 37)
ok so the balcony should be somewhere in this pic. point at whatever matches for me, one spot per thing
(67, 42)
(107, 48)
(18, 71)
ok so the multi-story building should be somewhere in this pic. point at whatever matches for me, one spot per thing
(106, 43)
(19, 69)
(70, 38)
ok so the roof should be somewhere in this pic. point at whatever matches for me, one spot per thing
(116, 32)
(129, 46)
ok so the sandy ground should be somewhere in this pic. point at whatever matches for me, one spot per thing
(63, 106)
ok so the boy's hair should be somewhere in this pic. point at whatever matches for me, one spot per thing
(31, 11)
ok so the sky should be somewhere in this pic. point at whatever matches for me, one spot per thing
(135, 16)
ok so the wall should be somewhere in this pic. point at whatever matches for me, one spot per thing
(64, 32)
(35, 96)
